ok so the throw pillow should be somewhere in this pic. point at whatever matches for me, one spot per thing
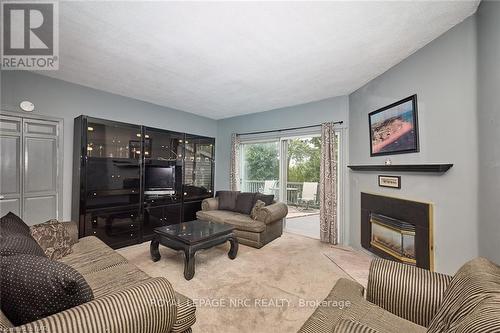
(34, 287)
(13, 224)
(266, 198)
(53, 238)
(244, 203)
(255, 210)
(19, 244)
(227, 199)
(475, 283)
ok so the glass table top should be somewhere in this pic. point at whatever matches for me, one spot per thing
(194, 231)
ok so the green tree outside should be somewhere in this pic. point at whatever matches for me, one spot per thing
(304, 159)
(261, 161)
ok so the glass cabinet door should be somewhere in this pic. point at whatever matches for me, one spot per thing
(198, 167)
(163, 151)
(162, 145)
(113, 140)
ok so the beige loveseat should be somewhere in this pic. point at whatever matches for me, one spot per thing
(267, 226)
(125, 298)
(405, 299)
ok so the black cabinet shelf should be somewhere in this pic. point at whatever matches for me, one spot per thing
(436, 168)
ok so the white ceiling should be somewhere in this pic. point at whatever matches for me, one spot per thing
(221, 59)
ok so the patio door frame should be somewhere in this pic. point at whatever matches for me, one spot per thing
(282, 138)
(283, 174)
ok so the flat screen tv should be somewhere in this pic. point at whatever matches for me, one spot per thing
(160, 177)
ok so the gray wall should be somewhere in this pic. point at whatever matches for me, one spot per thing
(443, 75)
(489, 129)
(314, 113)
(65, 100)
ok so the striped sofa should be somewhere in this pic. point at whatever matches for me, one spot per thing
(126, 300)
(405, 299)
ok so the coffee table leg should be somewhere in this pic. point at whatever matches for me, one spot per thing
(188, 264)
(153, 249)
(233, 251)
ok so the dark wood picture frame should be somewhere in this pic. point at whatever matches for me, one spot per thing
(416, 147)
(389, 186)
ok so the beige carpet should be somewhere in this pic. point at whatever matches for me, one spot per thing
(354, 263)
(262, 290)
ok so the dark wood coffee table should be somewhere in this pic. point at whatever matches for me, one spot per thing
(191, 237)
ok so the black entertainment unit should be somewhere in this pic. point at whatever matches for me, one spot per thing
(129, 179)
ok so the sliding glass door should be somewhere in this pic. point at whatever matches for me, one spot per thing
(288, 166)
(260, 167)
(301, 176)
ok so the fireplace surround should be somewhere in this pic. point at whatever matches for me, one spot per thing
(397, 229)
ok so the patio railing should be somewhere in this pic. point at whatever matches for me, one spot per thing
(293, 193)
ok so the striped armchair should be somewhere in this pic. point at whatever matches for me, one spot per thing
(126, 300)
(403, 298)
(409, 292)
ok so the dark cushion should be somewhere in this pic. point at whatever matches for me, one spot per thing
(266, 198)
(53, 238)
(13, 224)
(245, 203)
(19, 244)
(34, 287)
(227, 200)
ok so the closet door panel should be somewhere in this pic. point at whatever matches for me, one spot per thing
(10, 205)
(10, 165)
(10, 125)
(40, 127)
(40, 209)
(41, 170)
(40, 165)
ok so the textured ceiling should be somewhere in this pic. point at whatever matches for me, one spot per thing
(231, 58)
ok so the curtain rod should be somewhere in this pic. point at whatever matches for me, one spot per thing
(288, 129)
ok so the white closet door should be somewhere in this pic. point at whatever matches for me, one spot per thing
(41, 162)
(10, 165)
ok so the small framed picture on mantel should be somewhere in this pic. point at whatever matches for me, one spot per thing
(389, 181)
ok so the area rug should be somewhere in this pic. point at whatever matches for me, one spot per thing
(354, 263)
(272, 289)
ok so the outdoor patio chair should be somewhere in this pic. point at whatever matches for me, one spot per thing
(309, 193)
(269, 187)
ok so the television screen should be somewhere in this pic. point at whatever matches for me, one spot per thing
(160, 177)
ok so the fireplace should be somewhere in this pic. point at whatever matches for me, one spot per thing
(394, 237)
(397, 229)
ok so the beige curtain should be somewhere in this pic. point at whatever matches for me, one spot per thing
(328, 185)
(234, 168)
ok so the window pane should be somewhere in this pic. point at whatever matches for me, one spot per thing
(260, 168)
